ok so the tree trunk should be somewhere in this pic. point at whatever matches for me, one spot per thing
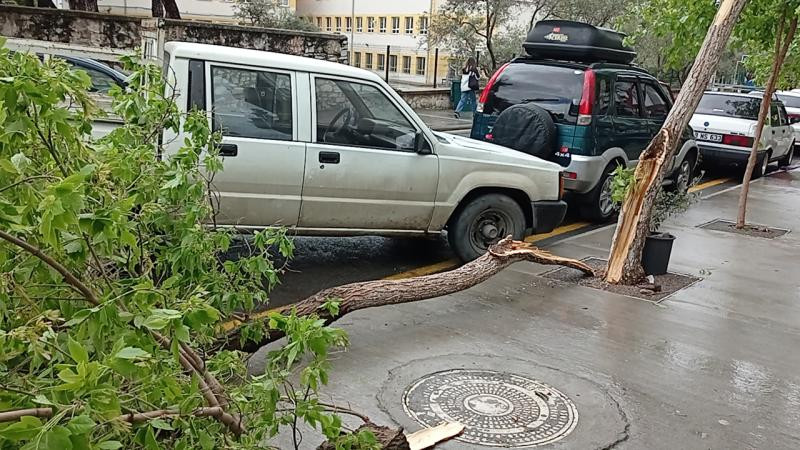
(157, 8)
(370, 294)
(77, 5)
(781, 48)
(625, 257)
(91, 5)
(171, 9)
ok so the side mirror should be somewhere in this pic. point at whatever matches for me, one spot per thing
(421, 144)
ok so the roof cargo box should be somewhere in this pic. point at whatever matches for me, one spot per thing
(577, 41)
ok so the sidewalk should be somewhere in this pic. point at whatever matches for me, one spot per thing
(443, 120)
(715, 366)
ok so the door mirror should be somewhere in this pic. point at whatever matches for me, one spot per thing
(421, 144)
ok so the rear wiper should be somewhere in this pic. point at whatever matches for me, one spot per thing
(528, 100)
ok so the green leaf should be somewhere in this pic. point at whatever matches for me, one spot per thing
(160, 424)
(76, 351)
(206, 441)
(26, 428)
(81, 424)
(20, 162)
(42, 400)
(109, 445)
(57, 438)
(132, 353)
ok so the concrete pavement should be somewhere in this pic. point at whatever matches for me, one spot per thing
(714, 366)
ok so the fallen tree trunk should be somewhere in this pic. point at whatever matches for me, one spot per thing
(370, 294)
(625, 257)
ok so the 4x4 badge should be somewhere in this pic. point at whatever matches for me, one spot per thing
(560, 37)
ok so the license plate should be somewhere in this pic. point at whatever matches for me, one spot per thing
(712, 137)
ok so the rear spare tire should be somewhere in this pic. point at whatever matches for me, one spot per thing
(482, 222)
(526, 128)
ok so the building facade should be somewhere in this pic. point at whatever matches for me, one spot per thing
(204, 10)
(374, 25)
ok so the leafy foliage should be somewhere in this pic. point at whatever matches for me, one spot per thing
(149, 279)
(666, 204)
(270, 14)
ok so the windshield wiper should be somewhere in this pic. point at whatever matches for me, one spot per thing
(541, 99)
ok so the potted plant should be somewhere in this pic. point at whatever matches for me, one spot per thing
(658, 245)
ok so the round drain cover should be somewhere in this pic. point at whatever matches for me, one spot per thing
(497, 409)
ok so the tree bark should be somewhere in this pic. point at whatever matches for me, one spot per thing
(625, 257)
(782, 44)
(370, 294)
(171, 9)
(157, 8)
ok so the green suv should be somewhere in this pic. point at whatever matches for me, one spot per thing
(590, 116)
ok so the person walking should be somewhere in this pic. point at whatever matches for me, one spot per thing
(470, 83)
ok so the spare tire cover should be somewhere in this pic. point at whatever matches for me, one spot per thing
(527, 128)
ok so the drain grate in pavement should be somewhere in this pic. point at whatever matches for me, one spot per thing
(497, 409)
(667, 284)
(761, 231)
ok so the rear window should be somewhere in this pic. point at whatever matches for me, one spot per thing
(790, 101)
(730, 106)
(556, 89)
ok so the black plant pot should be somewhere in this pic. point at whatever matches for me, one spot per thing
(656, 253)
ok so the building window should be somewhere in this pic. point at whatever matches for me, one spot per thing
(284, 3)
(392, 63)
(409, 25)
(357, 59)
(319, 22)
(382, 24)
(423, 25)
(359, 24)
(328, 23)
(370, 24)
(348, 24)
(421, 63)
(406, 64)
(381, 61)
(395, 25)
(339, 24)
(368, 62)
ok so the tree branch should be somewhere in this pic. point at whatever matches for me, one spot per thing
(133, 417)
(74, 282)
(370, 294)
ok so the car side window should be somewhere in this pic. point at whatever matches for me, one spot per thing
(101, 82)
(350, 113)
(655, 105)
(626, 98)
(603, 96)
(252, 103)
(774, 117)
(784, 119)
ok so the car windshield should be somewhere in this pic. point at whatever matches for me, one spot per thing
(730, 106)
(556, 89)
(790, 101)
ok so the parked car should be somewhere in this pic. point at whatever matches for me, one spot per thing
(329, 149)
(103, 77)
(725, 124)
(791, 100)
(605, 111)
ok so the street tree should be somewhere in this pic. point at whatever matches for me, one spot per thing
(270, 14)
(625, 257)
(165, 8)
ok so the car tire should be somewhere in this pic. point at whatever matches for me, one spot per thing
(682, 178)
(484, 221)
(761, 166)
(596, 205)
(787, 160)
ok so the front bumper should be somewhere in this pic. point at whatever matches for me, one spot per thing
(547, 215)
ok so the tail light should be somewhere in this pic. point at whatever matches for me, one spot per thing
(739, 141)
(489, 85)
(587, 98)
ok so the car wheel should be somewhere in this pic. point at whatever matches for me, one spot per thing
(787, 160)
(597, 205)
(761, 166)
(484, 221)
(683, 175)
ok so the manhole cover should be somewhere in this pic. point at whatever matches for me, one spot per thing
(497, 409)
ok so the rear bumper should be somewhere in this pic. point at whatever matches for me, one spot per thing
(547, 215)
(718, 155)
(587, 170)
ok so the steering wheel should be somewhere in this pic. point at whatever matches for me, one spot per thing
(331, 128)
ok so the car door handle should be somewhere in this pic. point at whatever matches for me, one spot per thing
(329, 157)
(228, 150)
